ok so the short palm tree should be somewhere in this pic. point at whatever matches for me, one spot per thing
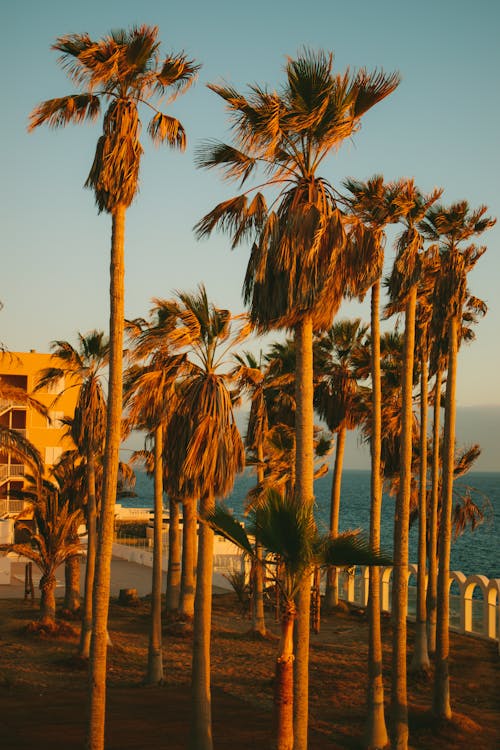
(83, 368)
(52, 543)
(149, 398)
(452, 227)
(204, 452)
(251, 374)
(287, 530)
(125, 69)
(295, 277)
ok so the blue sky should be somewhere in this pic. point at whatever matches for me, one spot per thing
(441, 126)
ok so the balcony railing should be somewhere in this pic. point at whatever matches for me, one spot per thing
(11, 470)
(11, 506)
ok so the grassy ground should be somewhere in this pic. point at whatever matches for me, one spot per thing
(42, 686)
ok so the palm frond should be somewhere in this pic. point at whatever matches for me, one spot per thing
(57, 113)
(177, 73)
(225, 524)
(234, 163)
(350, 548)
(162, 128)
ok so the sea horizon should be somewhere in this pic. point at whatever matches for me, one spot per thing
(475, 552)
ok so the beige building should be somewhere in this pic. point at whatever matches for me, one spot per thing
(21, 369)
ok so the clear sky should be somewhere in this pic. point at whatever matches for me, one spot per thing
(441, 127)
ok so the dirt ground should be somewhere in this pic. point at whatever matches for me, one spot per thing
(42, 687)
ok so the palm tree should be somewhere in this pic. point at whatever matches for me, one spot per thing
(252, 378)
(204, 452)
(424, 330)
(474, 308)
(295, 278)
(452, 227)
(403, 286)
(287, 530)
(374, 204)
(159, 342)
(336, 398)
(125, 69)
(69, 472)
(52, 543)
(83, 368)
(149, 391)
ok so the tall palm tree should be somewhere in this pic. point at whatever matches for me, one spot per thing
(294, 277)
(474, 309)
(374, 204)
(287, 529)
(403, 286)
(83, 368)
(336, 397)
(204, 451)
(452, 227)
(125, 69)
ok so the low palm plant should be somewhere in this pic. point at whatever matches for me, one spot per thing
(51, 545)
(286, 529)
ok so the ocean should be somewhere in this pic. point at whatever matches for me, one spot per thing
(475, 552)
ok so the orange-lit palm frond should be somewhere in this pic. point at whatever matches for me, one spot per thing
(234, 163)
(238, 216)
(162, 127)
(59, 112)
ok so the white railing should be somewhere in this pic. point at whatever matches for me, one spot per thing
(469, 614)
(11, 470)
(132, 514)
(11, 506)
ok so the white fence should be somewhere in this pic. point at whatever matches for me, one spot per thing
(474, 600)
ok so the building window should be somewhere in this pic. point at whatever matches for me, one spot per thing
(52, 454)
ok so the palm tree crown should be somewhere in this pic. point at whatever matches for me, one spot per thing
(293, 267)
(125, 69)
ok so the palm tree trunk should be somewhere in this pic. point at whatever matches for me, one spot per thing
(86, 632)
(376, 730)
(174, 560)
(189, 545)
(304, 472)
(258, 616)
(283, 684)
(441, 700)
(72, 583)
(154, 674)
(48, 599)
(332, 576)
(98, 646)
(399, 700)
(201, 724)
(420, 661)
(433, 531)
